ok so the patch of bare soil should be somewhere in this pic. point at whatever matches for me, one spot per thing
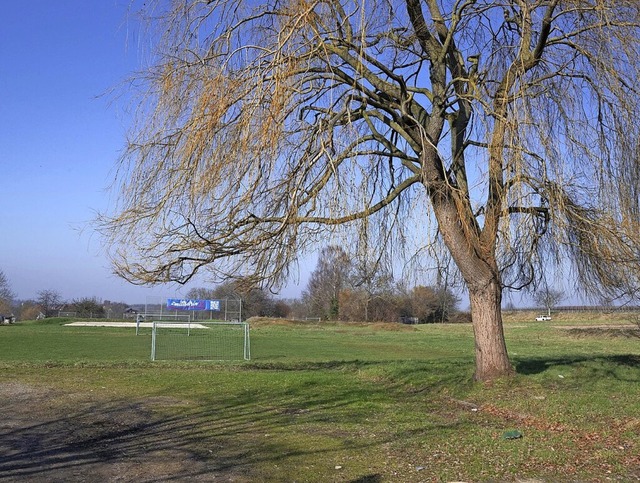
(49, 436)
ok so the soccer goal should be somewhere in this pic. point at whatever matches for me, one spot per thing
(201, 341)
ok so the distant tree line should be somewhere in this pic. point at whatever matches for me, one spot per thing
(340, 288)
(344, 287)
(50, 303)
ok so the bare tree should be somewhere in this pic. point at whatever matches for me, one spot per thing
(372, 281)
(353, 305)
(502, 131)
(201, 293)
(331, 275)
(49, 301)
(6, 295)
(548, 298)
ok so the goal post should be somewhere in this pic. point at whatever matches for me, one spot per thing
(200, 341)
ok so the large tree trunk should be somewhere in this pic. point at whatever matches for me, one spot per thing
(492, 359)
(479, 268)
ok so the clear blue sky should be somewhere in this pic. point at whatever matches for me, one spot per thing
(60, 137)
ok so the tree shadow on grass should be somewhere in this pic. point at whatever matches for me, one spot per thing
(533, 365)
(68, 437)
(374, 478)
(105, 441)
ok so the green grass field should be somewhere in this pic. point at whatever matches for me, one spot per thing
(370, 402)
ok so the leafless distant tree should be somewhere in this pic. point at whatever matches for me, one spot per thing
(6, 295)
(548, 297)
(373, 285)
(505, 132)
(331, 275)
(50, 302)
(201, 293)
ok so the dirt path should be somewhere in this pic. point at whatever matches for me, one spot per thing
(43, 440)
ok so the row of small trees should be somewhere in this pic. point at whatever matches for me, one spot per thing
(49, 303)
(343, 287)
(337, 290)
(340, 289)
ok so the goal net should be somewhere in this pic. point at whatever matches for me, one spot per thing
(201, 341)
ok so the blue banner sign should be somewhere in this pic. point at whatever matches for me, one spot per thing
(190, 304)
